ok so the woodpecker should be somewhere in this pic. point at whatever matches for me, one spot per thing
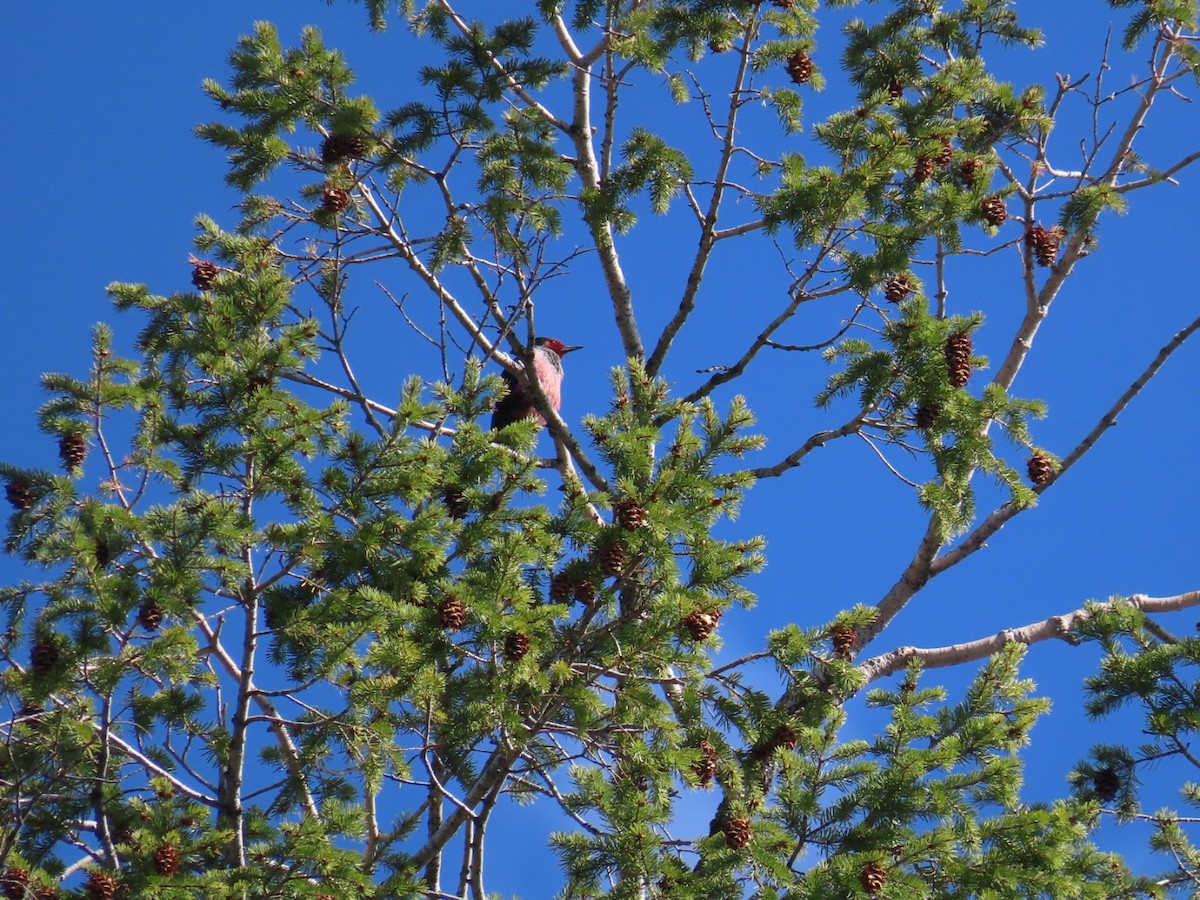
(518, 403)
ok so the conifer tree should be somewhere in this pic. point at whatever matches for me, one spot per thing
(284, 637)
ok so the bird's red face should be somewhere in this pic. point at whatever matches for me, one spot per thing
(556, 345)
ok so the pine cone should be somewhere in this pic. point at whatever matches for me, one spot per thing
(800, 67)
(334, 199)
(737, 833)
(337, 147)
(958, 358)
(455, 499)
(968, 170)
(705, 768)
(562, 586)
(874, 877)
(13, 882)
(612, 558)
(895, 89)
(629, 514)
(72, 450)
(46, 893)
(923, 171)
(45, 657)
(150, 615)
(101, 886)
(945, 155)
(583, 590)
(452, 612)
(845, 639)
(993, 210)
(897, 288)
(19, 492)
(1041, 468)
(1106, 783)
(1044, 242)
(784, 4)
(700, 624)
(516, 645)
(926, 416)
(204, 274)
(166, 859)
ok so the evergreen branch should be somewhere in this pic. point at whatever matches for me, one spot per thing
(1059, 627)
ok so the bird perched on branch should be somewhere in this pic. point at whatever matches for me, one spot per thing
(518, 403)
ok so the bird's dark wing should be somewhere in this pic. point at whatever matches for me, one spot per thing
(514, 406)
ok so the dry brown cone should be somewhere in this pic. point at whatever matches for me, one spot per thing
(150, 615)
(166, 859)
(1041, 468)
(874, 877)
(337, 147)
(72, 450)
(452, 612)
(516, 645)
(46, 893)
(800, 67)
(455, 499)
(44, 657)
(583, 590)
(844, 639)
(334, 199)
(924, 169)
(737, 833)
(784, 4)
(700, 624)
(895, 89)
(705, 768)
(993, 210)
(19, 492)
(945, 155)
(101, 886)
(1106, 783)
(14, 881)
(562, 586)
(629, 513)
(1044, 242)
(784, 735)
(897, 288)
(926, 416)
(204, 274)
(968, 170)
(612, 558)
(958, 358)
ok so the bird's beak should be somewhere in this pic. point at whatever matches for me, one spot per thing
(566, 350)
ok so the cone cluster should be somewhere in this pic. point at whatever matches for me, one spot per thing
(19, 492)
(874, 877)
(1041, 468)
(993, 210)
(452, 612)
(1106, 783)
(958, 359)
(700, 624)
(705, 768)
(845, 639)
(204, 275)
(1044, 242)
(72, 450)
(897, 288)
(737, 833)
(800, 67)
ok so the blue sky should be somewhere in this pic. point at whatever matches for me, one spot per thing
(104, 178)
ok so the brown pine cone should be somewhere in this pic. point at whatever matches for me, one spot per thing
(1044, 242)
(334, 199)
(945, 154)
(895, 89)
(44, 657)
(629, 513)
(166, 859)
(204, 274)
(455, 500)
(46, 893)
(844, 639)
(1107, 784)
(19, 492)
(612, 558)
(705, 768)
(150, 615)
(800, 67)
(452, 612)
(72, 450)
(926, 416)
(700, 624)
(1041, 468)
(337, 147)
(958, 358)
(101, 886)
(874, 877)
(897, 288)
(516, 645)
(993, 210)
(924, 169)
(737, 833)
(13, 882)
